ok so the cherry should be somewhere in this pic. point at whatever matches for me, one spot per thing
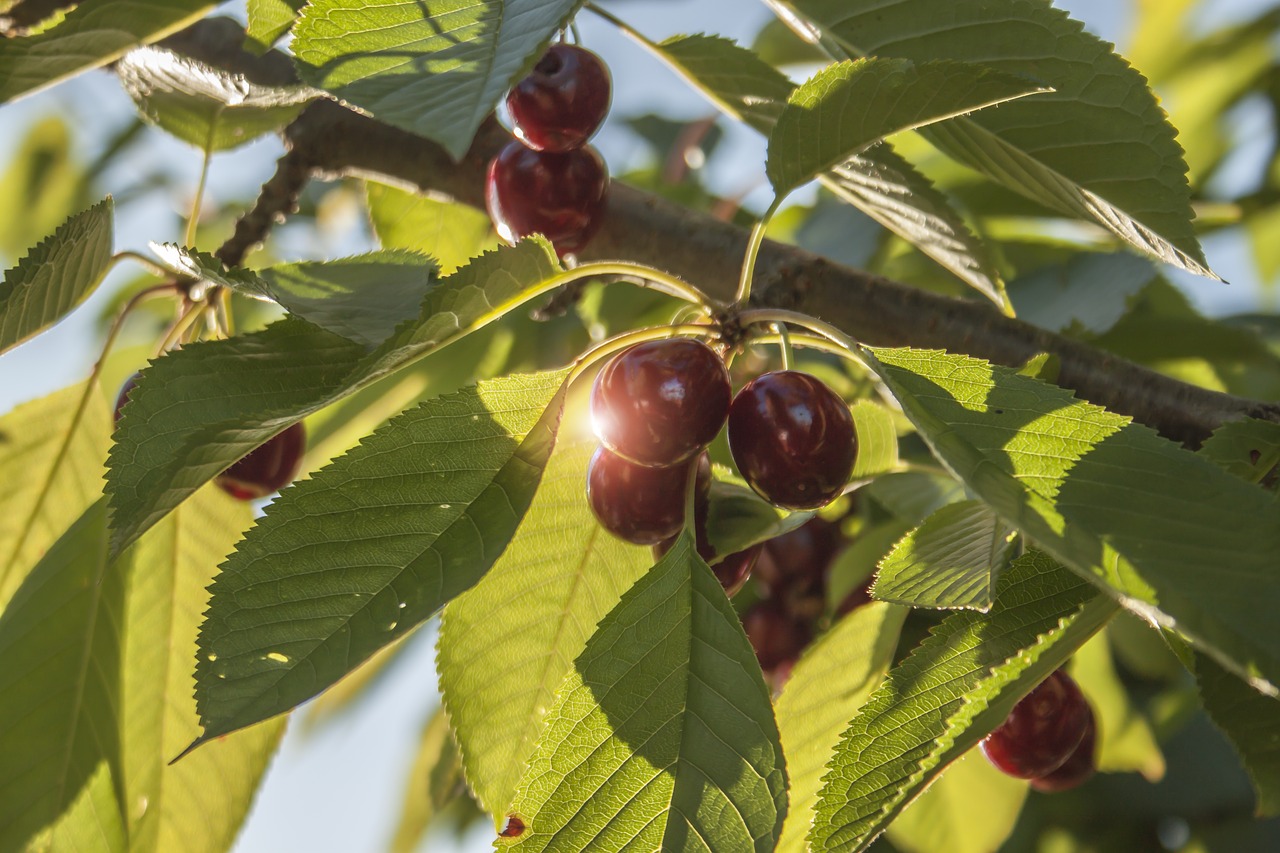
(660, 402)
(267, 469)
(798, 560)
(1078, 767)
(1042, 730)
(123, 397)
(777, 637)
(561, 196)
(793, 439)
(563, 100)
(637, 503)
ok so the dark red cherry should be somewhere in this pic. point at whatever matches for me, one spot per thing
(561, 196)
(1041, 731)
(638, 503)
(777, 637)
(792, 438)
(269, 468)
(660, 402)
(800, 557)
(123, 397)
(563, 100)
(1078, 767)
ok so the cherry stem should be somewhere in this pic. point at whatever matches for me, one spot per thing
(753, 250)
(198, 201)
(784, 337)
(642, 276)
(190, 315)
(620, 342)
(772, 316)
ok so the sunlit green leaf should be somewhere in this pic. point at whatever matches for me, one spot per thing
(448, 231)
(173, 807)
(212, 109)
(434, 70)
(662, 735)
(56, 275)
(59, 687)
(435, 781)
(952, 559)
(200, 408)
(827, 687)
(879, 182)
(952, 690)
(268, 21)
(360, 554)
(51, 462)
(1109, 498)
(92, 823)
(1099, 147)
(91, 35)
(850, 105)
(44, 184)
(877, 440)
(506, 645)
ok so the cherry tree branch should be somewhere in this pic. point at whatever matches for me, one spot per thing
(333, 141)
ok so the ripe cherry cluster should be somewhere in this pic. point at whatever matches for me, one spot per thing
(268, 468)
(548, 180)
(1049, 737)
(657, 405)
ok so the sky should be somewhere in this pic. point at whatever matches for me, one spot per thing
(338, 787)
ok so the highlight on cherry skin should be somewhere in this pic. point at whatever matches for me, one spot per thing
(1042, 731)
(660, 402)
(792, 439)
(563, 100)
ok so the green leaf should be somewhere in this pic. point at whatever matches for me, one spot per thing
(45, 181)
(360, 554)
(199, 409)
(972, 808)
(662, 736)
(90, 36)
(202, 266)
(952, 560)
(448, 231)
(1250, 449)
(1089, 292)
(51, 462)
(269, 20)
(56, 275)
(175, 807)
(1127, 741)
(364, 298)
(435, 71)
(435, 781)
(953, 689)
(847, 106)
(877, 440)
(507, 644)
(878, 182)
(1099, 147)
(334, 703)
(212, 109)
(827, 687)
(913, 496)
(59, 687)
(92, 823)
(1251, 722)
(738, 518)
(1110, 499)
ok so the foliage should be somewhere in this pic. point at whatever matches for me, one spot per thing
(595, 696)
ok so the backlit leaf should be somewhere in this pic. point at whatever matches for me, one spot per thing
(56, 275)
(662, 735)
(436, 70)
(1110, 499)
(952, 690)
(951, 560)
(357, 556)
(848, 106)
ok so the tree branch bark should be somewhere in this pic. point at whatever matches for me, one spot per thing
(334, 141)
